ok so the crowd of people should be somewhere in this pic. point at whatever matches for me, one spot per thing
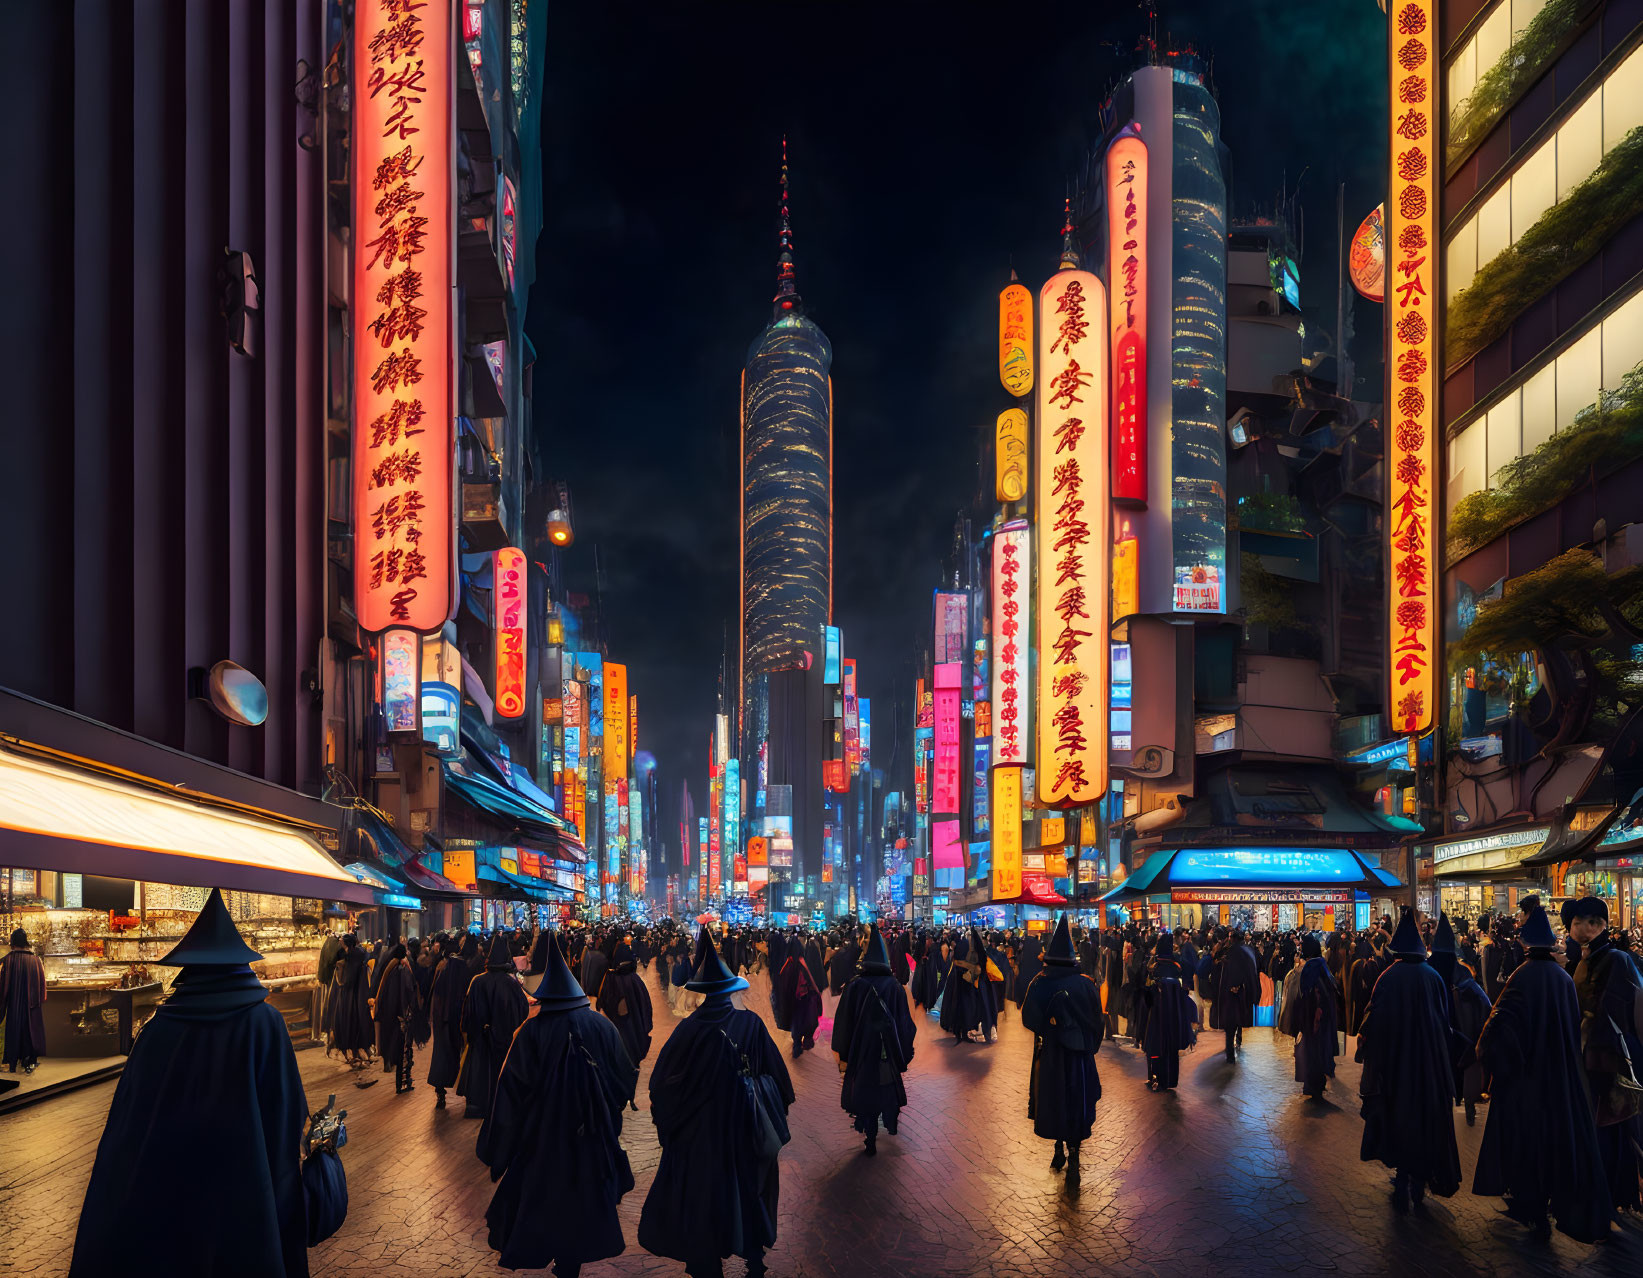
(543, 1035)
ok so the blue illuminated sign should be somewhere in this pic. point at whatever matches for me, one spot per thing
(1266, 865)
(832, 659)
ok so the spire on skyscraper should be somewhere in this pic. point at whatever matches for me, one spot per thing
(1069, 250)
(787, 290)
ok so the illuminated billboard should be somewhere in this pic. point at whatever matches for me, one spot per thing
(403, 393)
(1366, 260)
(1006, 832)
(1127, 273)
(1015, 339)
(1010, 455)
(952, 626)
(944, 779)
(832, 649)
(1012, 699)
(616, 720)
(508, 600)
(852, 721)
(1074, 541)
(1412, 363)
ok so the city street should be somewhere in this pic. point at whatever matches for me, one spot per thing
(1234, 1173)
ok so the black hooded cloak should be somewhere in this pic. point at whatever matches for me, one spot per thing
(801, 997)
(494, 1008)
(624, 998)
(873, 1035)
(1065, 1084)
(445, 1014)
(351, 1029)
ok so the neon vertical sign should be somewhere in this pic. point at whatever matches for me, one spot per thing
(1127, 276)
(508, 597)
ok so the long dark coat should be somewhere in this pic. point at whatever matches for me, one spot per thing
(445, 1019)
(350, 1008)
(395, 1006)
(625, 1000)
(1029, 963)
(875, 1051)
(842, 966)
(801, 997)
(553, 1140)
(494, 1008)
(1315, 1023)
(967, 1003)
(900, 949)
(1171, 1021)
(1468, 1011)
(713, 1196)
(209, 1114)
(22, 995)
(1540, 1144)
(1606, 980)
(924, 984)
(1064, 1085)
(1365, 972)
(1407, 1084)
(1235, 988)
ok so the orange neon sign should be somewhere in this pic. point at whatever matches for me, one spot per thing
(404, 170)
(1010, 455)
(1127, 276)
(509, 590)
(1006, 823)
(1412, 364)
(616, 720)
(1015, 339)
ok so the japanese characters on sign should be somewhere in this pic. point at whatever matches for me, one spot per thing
(1010, 456)
(1411, 248)
(1012, 699)
(508, 596)
(1074, 541)
(617, 750)
(401, 314)
(1127, 274)
(1006, 833)
(1015, 339)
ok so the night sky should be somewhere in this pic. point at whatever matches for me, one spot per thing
(930, 148)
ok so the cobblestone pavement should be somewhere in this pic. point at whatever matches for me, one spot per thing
(1234, 1172)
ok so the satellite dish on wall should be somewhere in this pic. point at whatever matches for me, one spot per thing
(232, 691)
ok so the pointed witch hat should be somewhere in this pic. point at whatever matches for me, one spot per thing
(1443, 940)
(498, 955)
(559, 990)
(711, 975)
(212, 941)
(1406, 941)
(876, 958)
(1061, 951)
(1536, 932)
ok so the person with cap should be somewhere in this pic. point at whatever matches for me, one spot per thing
(209, 1111)
(1468, 1010)
(801, 1002)
(966, 999)
(719, 1095)
(351, 1032)
(392, 1009)
(494, 1007)
(873, 1035)
(1407, 1083)
(1062, 1008)
(625, 1000)
(552, 1139)
(1235, 988)
(1170, 1019)
(1606, 980)
(1313, 1018)
(1540, 1145)
(22, 999)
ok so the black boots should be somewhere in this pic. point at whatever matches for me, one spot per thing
(439, 1103)
(1060, 1159)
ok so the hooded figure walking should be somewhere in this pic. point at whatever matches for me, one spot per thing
(1235, 988)
(445, 1000)
(22, 998)
(554, 1132)
(1540, 1145)
(210, 1109)
(719, 1095)
(625, 1000)
(1607, 981)
(873, 1035)
(1171, 1017)
(1062, 1008)
(393, 1009)
(495, 1006)
(801, 1001)
(1468, 1010)
(1408, 1083)
(1313, 1018)
(351, 1032)
(967, 998)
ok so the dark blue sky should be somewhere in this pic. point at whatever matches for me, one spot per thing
(930, 148)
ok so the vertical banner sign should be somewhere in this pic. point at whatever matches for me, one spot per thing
(714, 799)
(832, 650)
(852, 720)
(864, 717)
(404, 171)
(1012, 691)
(616, 720)
(1074, 542)
(1010, 456)
(733, 821)
(952, 625)
(944, 786)
(1127, 274)
(701, 847)
(633, 725)
(401, 686)
(1006, 833)
(1411, 239)
(508, 630)
(1015, 339)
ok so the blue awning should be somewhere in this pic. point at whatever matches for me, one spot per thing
(534, 889)
(515, 809)
(386, 887)
(1282, 871)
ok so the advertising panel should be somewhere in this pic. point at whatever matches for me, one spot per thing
(952, 613)
(616, 719)
(944, 783)
(1366, 260)
(981, 768)
(508, 598)
(401, 670)
(833, 650)
(1127, 272)
(946, 848)
(1006, 833)
(733, 817)
(1010, 455)
(852, 719)
(1015, 339)
(1012, 699)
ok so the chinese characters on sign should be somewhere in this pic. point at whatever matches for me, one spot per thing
(1411, 247)
(944, 797)
(1012, 694)
(616, 720)
(1010, 456)
(1006, 833)
(1127, 271)
(401, 314)
(1074, 541)
(1015, 339)
(508, 617)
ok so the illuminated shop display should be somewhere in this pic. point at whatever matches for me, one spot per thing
(508, 569)
(1127, 274)
(1012, 701)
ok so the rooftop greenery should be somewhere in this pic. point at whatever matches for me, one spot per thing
(1519, 67)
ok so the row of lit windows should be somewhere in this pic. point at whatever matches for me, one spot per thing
(1553, 169)
(1487, 46)
(1594, 364)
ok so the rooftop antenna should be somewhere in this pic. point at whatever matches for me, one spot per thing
(787, 289)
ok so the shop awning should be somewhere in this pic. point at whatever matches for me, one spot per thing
(514, 810)
(519, 887)
(368, 836)
(1576, 835)
(1235, 875)
(387, 887)
(1493, 854)
(54, 817)
(1036, 889)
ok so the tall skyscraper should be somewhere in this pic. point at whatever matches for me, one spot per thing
(787, 480)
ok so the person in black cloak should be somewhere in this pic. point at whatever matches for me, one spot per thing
(1000, 977)
(873, 1036)
(553, 1137)
(1028, 966)
(1364, 973)
(210, 1108)
(596, 962)
(351, 1031)
(22, 996)
(422, 972)
(842, 966)
(716, 1188)
(1171, 1017)
(816, 960)
(445, 1000)
(1408, 1083)
(900, 951)
(1606, 979)
(1540, 1145)
(1063, 1010)
(379, 968)
(924, 971)
(1468, 1010)
(539, 951)
(624, 998)
(495, 1006)
(801, 1000)
(1314, 1020)
(966, 998)
(1235, 988)
(392, 1009)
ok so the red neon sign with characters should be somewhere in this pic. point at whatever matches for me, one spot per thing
(1127, 276)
